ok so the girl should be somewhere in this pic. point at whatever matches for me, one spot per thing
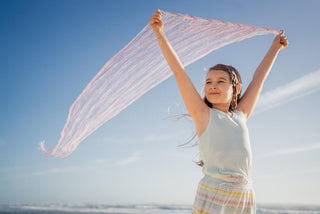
(220, 120)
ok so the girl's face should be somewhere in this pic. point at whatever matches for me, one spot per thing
(218, 87)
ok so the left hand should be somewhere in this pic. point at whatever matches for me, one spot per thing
(156, 22)
(280, 41)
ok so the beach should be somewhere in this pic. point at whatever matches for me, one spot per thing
(88, 208)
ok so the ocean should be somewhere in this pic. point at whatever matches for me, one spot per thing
(138, 209)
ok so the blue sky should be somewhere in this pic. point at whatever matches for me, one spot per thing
(50, 50)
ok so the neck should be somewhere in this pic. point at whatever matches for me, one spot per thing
(222, 107)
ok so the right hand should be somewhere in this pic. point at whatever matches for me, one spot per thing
(200, 163)
(156, 22)
(280, 41)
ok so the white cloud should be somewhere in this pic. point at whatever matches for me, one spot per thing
(165, 137)
(53, 171)
(153, 137)
(294, 150)
(131, 159)
(291, 91)
(284, 174)
(98, 161)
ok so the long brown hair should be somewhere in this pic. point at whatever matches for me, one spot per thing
(235, 79)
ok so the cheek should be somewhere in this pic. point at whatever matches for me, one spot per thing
(206, 88)
(229, 92)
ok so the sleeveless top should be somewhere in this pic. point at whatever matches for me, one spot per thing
(225, 148)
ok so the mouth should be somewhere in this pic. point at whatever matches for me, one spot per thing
(214, 93)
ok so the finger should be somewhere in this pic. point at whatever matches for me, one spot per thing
(155, 20)
(284, 42)
(281, 32)
(283, 38)
(157, 12)
(156, 16)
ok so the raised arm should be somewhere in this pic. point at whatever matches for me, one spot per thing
(191, 97)
(250, 97)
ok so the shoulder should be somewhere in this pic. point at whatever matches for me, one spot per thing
(204, 114)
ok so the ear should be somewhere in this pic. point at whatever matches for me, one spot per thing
(239, 86)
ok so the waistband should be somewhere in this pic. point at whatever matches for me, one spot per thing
(232, 181)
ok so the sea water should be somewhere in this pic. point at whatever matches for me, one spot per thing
(84, 208)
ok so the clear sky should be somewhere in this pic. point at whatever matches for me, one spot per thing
(50, 50)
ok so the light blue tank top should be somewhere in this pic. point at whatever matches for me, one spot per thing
(225, 147)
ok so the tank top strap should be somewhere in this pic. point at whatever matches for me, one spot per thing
(240, 114)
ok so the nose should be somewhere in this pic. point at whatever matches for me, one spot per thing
(213, 85)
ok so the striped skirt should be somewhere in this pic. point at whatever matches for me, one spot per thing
(214, 197)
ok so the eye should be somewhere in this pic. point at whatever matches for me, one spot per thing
(208, 82)
(220, 82)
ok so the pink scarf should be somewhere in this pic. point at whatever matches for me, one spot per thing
(139, 67)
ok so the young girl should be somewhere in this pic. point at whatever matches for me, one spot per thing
(220, 120)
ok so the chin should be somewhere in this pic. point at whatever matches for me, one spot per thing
(213, 100)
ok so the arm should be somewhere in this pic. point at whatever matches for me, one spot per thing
(191, 97)
(250, 97)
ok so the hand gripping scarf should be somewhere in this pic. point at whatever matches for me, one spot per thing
(139, 67)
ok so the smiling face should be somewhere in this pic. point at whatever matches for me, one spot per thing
(218, 88)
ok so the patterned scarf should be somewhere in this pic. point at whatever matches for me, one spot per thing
(139, 67)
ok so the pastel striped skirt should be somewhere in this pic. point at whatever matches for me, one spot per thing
(215, 197)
